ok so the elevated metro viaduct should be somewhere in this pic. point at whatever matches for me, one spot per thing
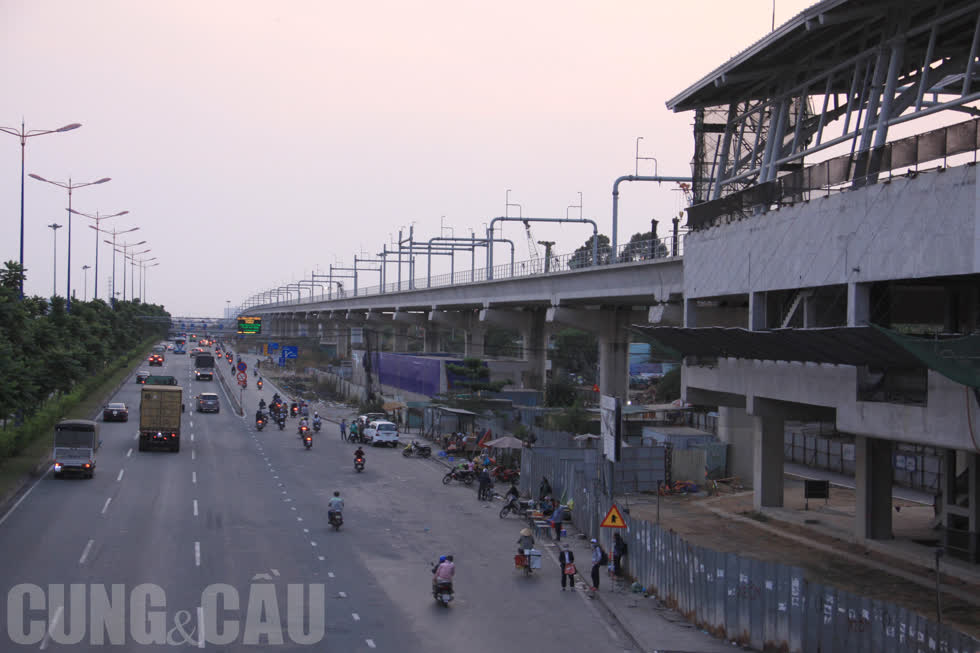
(606, 300)
(812, 213)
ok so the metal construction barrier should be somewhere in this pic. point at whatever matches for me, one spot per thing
(761, 604)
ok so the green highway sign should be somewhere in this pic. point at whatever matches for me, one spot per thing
(250, 325)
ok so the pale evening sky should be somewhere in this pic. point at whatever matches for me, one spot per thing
(252, 142)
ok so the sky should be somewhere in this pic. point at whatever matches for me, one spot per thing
(256, 142)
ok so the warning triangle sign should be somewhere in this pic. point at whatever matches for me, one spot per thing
(614, 519)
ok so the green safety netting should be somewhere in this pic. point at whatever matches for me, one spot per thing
(958, 359)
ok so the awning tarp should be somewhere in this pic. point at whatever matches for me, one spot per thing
(957, 358)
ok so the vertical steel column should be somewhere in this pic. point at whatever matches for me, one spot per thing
(924, 73)
(973, 56)
(725, 148)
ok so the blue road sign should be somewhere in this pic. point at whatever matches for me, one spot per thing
(242, 366)
(290, 352)
(273, 346)
(282, 359)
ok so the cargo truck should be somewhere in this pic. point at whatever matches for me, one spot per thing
(160, 412)
(75, 444)
(204, 366)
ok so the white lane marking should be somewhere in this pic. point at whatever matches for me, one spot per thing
(106, 506)
(54, 622)
(342, 595)
(299, 519)
(121, 472)
(192, 423)
(85, 552)
(129, 453)
(370, 642)
(197, 554)
(313, 543)
(195, 507)
(193, 454)
(356, 616)
(200, 620)
(193, 477)
(192, 437)
(306, 530)
(14, 507)
(322, 558)
(135, 437)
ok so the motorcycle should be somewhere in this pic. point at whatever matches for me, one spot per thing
(316, 426)
(260, 424)
(464, 476)
(308, 441)
(294, 410)
(336, 519)
(359, 464)
(442, 591)
(259, 384)
(521, 508)
(282, 422)
(415, 447)
(506, 475)
(485, 493)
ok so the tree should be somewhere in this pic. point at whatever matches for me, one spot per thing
(669, 386)
(582, 257)
(12, 275)
(644, 246)
(474, 376)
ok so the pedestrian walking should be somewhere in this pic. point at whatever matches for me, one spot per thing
(567, 561)
(599, 558)
(619, 550)
(343, 430)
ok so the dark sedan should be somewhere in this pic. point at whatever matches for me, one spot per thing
(141, 376)
(115, 412)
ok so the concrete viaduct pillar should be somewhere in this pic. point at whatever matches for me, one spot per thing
(873, 482)
(466, 320)
(531, 325)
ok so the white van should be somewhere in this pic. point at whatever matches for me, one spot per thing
(382, 432)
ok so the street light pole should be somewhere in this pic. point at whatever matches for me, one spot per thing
(98, 220)
(69, 186)
(132, 271)
(124, 252)
(114, 233)
(142, 263)
(144, 279)
(54, 282)
(85, 269)
(23, 134)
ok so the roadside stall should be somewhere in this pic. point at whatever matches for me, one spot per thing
(453, 429)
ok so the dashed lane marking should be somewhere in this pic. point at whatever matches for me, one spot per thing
(197, 554)
(370, 642)
(193, 477)
(195, 507)
(121, 472)
(342, 595)
(356, 616)
(54, 622)
(129, 453)
(193, 454)
(106, 506)
(85, 552)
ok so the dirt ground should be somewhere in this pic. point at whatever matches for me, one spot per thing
(696, 518)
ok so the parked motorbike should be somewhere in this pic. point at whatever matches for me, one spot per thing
(464, 476)
(521, 508)
(335, 518)
(506, 475)
(415, 448)
(359, 463)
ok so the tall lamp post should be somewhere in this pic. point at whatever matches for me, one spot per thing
(114, 233)
(132, 272)
(141, 262)
(145, 268)
(85, 269)
(70, 187)
(98, 220)
(54, 283)
(24, 134)
(125, 252)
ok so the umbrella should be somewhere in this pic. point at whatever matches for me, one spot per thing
(506, 442)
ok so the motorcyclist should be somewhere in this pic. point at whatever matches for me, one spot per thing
(525, 541)
(294, 409)
(359, 453)
(259, 415)
(303, 422)
(444, 571)
(261, 404)
(513, 494)
(304, 408)
(335, 505)
(316, 420)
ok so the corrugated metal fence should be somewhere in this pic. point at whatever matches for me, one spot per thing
(758, 603)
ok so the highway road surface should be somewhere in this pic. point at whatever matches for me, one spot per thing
(225, 545)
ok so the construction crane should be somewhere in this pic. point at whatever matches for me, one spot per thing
(531, 246)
